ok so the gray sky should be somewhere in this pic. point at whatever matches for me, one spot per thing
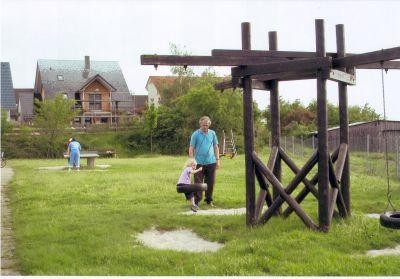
(122, 30)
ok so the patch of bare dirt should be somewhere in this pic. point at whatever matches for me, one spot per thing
(179, 240)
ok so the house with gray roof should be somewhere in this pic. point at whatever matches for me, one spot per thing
(8, 102)
(24, 99)
(98, 87)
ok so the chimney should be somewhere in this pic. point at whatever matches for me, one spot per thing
(87, 63)
(87, 67)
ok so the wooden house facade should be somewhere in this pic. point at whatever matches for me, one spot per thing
(98, 88)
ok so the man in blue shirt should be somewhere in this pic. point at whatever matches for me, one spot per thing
(204, 149)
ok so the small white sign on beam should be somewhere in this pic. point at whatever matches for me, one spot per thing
(337, 75)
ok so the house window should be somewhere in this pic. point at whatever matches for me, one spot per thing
(95, 101)
(60, 77)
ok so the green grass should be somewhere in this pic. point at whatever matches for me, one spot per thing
(85, 224)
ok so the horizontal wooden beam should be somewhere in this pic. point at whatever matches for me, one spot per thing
(178, 60)
(277, 67)
(390, 65)
(286, 76)
(237, 83)
(267, 53)
(367, 58)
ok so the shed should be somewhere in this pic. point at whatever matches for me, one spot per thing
(369, 136)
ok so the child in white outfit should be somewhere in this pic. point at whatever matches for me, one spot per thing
(185, 181)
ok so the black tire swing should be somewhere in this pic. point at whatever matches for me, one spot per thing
(389, 219)
(189, 188)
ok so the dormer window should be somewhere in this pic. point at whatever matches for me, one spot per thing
(60, 77)
(95, 101)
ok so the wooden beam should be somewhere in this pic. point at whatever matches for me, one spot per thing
(277, 67)
(367, 58)
(390, 65)
(268, 53)
(237, 82)
(303, 193)
(322, 124)
(341, 161)
(248, 134)
(263, 194)
(286, 76)
(283, 195)
(178, 60)
(335, 184)
(296, 170)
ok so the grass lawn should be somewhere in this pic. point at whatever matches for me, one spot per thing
(86, 224)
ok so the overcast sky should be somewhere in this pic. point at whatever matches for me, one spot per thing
(122, 30)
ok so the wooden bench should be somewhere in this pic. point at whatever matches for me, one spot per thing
(89, 155)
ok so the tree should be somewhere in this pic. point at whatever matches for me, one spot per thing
(150, 117)
(6, 126)
(185, 79)
(53, 116)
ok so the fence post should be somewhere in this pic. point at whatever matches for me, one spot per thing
(302, 146)
(313, 142)
(367, 163)
(285, 144)
(398, 157)
(293, 144)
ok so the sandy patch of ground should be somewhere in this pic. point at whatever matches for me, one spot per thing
(373, 215)
(215, 211)
(65, 167)
(384, 252)
(183, 239)
(179, 240)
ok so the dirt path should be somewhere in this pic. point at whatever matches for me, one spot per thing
(8, 262)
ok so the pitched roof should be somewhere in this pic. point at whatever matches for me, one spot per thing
(161, 81)
(7, 89)
(100, 79)
(25, 98)
(69, 75)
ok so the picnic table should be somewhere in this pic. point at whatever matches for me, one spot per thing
(89, 155)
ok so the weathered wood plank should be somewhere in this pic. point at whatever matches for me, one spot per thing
(343, 174)
(179, 60)
(322, 123)
(296, 170)
(237, 83)
(367, 58)
(268, 53)
(340, 161)
(390, 65)
(286, 76)
(277, 67)
(263, 194)
(303, 193)
(335, 184)
(282, 195)
(248, 133)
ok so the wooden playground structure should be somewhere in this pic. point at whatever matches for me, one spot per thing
(263, 70)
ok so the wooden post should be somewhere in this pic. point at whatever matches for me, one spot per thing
(323, 162)
(248, 134)
(275, 116)
(343, 120)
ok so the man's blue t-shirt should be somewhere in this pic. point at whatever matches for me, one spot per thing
(204, 146)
